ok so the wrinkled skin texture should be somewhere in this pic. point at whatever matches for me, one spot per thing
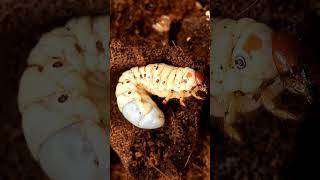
(137, 84)
(62, 100)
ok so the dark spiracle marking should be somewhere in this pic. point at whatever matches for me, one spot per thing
(57, 64)
(63, 98)
(240, 62)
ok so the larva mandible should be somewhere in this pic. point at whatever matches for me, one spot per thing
(136, 84)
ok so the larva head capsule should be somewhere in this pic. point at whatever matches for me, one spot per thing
(285, 51)
(199, 83)
(199, 78)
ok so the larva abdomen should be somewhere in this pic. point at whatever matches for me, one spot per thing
(164, 78)
(178, 85)
(156, 75)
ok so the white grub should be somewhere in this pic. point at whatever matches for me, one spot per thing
(62, 100)
(136, 84)
(163, 25)
(241, 62)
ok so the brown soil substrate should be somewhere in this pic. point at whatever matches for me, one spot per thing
(21, 25)
(131, 21)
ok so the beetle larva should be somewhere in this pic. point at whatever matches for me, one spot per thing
(62, 100)
(135, 86)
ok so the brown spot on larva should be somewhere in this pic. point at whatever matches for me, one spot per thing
(129, 92)
(127, 81)
(189, 75)
(163, 82)
(99, 47)
(91, 24)
(157, 67)
(144, 75)
(140, 75)
(78, 48)
(253, 43)
(157, 80)
(185, 81)
(63, 98)
(57, 64)
(96, 162)
(239, 93)
(40, 68)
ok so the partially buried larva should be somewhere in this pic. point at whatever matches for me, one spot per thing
(136, 84)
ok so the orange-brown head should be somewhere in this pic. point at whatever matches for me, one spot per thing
(200, 82)
(199, 78)
(285, 52)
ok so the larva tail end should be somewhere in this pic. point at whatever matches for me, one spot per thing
(152, 120)
(75, 152)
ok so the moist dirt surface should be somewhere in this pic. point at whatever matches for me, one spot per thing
(180, 149)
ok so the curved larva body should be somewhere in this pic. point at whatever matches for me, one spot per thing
(62, 100)
(248, 61)
(162, 80)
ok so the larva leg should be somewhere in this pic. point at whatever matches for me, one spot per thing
(176, 95)
(181, 99)
(268, 96)
(194, 93)
(230, 118)
(165, 101)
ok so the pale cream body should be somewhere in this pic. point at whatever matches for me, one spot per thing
(62, 99)
(137, 84)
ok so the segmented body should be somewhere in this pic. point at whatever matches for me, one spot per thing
(62, 100)
(161, 80)
(250, 66)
